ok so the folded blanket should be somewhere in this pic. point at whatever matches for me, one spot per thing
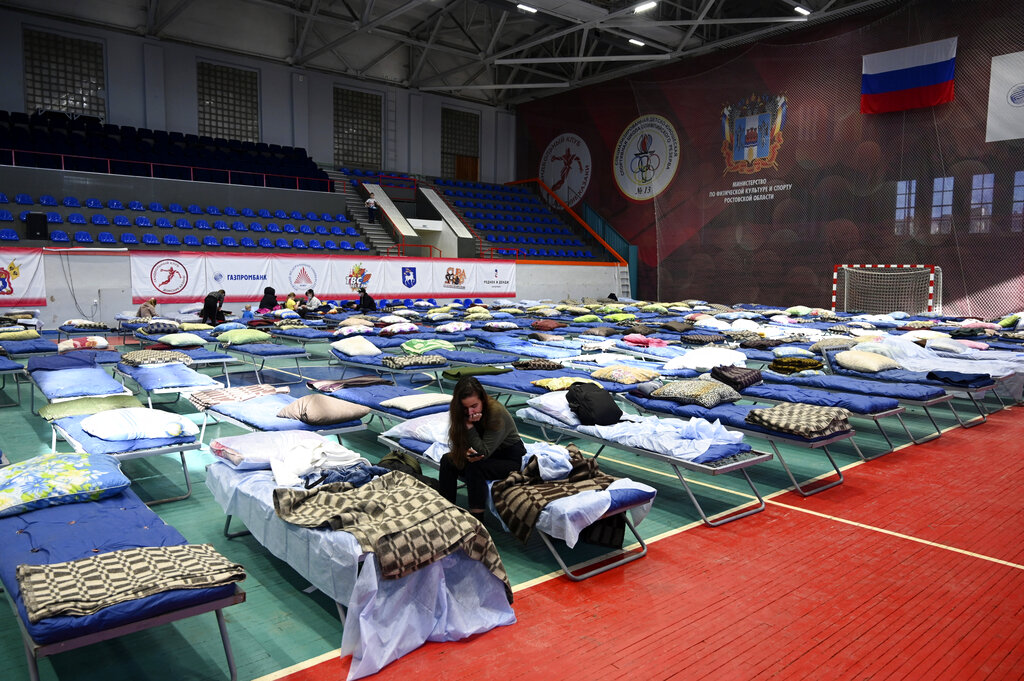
(404, 522)
(84, 586)
(520, 498)
(736, 378)
(957, 378)
(330, 385)
(412, 361)
(791, 365)
(204, 399)
(137, 358)
(805, 420)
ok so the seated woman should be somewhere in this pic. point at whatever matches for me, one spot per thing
(269, 299)
(311, 304)
(212, 313)
(366, 302)
(483, 444)
(147, 310)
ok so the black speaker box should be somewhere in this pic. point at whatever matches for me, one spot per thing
(35, 227)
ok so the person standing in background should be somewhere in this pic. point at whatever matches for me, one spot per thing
(371, 208)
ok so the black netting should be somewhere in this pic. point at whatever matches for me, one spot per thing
(829, 191)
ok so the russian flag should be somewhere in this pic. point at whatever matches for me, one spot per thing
(908, 78)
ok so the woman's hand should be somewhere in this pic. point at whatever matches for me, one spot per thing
(472, 456)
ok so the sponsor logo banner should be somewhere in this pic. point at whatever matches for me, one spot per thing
(646, 157)
(241, 278)
(168, 277)
(565, 167)
(495, 279)
(22, 278)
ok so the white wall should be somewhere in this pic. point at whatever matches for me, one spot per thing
(152, 84)
(106, 277)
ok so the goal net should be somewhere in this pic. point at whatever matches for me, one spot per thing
(880, 289)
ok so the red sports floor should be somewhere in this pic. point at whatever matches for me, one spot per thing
(912, 569)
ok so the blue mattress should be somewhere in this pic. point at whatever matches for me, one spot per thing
(526, 349)
(261, 413)
(472, 357)
(898, 391)
(10, 365)
(521, 380)
(86, 382)
(304, 334)
(858, 404)
(85, 330)
(268, 350)
(732, 415)
(667, 352)
(167, 376)
(36, 346)
(372, 395)
(200, 354)
(920, 377)
(155, 338)
(61, 533)
(374, 362)
(94, 445)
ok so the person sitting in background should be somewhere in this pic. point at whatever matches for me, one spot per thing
(484, 444)
(291, 302)
(269, 299)
(247, 313)
(212, 304)
(147, 309)
(366, 302)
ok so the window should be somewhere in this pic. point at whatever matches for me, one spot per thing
(357, 129)
(942, 205)
(906, 197)
(1017, 211)
(229, 102)
(460, 144)
(64, 74)
(981, 203)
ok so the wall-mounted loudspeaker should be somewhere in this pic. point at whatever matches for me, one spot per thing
(35, 227)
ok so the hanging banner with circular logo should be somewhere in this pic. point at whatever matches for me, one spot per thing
(646, 157)
(565, 167)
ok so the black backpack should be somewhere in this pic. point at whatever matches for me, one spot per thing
(593, 405)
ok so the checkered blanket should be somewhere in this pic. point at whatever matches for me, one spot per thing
(84, 586)
(204, 399)
(404, 522)
(806, 420)
(412, 361)
(137, 358)
(521, 497)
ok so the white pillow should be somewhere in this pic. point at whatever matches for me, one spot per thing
(707, 358)
(430, 428)
(77, 322)
(135, 423)
(414, 402)
(556, 405)
(406, 313)
(501, 325)
(393, 319)
(453, 327)
(353, 329)
(356, 346)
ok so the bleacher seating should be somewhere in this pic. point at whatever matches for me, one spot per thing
(171, 240)
(8, 234)
(82, 237)
(106, 238)
(190, 240)
(150, 239)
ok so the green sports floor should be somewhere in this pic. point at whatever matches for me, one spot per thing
(281, 623)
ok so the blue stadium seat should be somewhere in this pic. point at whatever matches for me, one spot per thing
(305, 229)
(171, 240)
(182, 223)
(150, 239)
(121, 221)
(239, 226)
(195, 210)
(8, 235)
(322, 230)
(282, 243)
(175, 208)
(77, 219)
(114, 204)
(23, 199)
(266, 243)
(272, 227)
(255, 227)
(54, 218)
(345, 246)
(210, 241)
(69, 202)
(248, 213)
(231, 212)
(95, 204)
(156, 207)
(337, 231)
(327, 217)
(360, 246)
(201, 224)
(47, 200)
(221, 225)
(83, 237)
(315, 245)
(190, 240)
(289, 228)
(296, 215)
(342, 218)
(212, 210)
(330, 245)
(229, 242)
(129, 239)
(5, 216)
(106, 238)
(163, 223)
(351, 231)
(264, 213)
(247, 242)
(136, 206)
(299, 244)
(312, 217)
(143, 221)
(280, 214)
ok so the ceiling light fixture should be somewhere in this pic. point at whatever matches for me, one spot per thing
(638, 43)
(526, 8)
(800, 9)
(644, 7)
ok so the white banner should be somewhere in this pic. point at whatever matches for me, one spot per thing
(169, 277)
(1006, 98)
(174, 277)
(22, 278)
(243, 278)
